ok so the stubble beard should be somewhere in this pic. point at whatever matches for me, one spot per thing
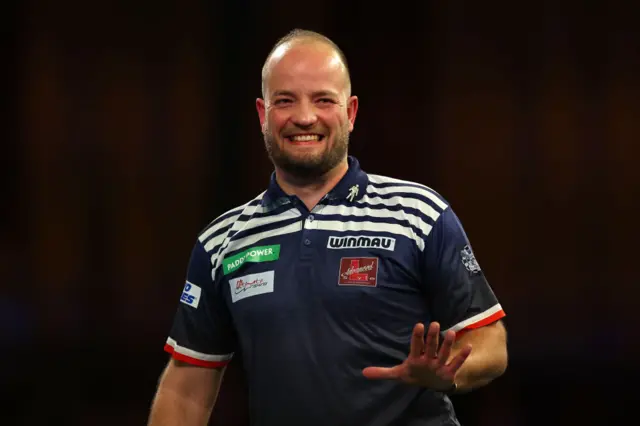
(307, 167)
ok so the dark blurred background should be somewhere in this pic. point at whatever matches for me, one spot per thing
(132, 124)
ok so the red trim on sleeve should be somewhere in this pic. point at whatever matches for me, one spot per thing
(486, 321)
(193, 361)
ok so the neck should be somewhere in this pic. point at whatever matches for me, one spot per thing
(311, 192)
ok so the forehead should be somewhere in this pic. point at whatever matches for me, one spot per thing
(306, 67)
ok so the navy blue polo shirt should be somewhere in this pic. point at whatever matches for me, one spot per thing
(310, 298)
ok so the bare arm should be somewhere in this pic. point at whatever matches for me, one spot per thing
(488, 359)
(186, 395)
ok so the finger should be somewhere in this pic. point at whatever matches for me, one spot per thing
(417, 341)
(382, 373)
(432, 340)
(458, 360)
(445, 349)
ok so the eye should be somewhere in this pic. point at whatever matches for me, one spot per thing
(282, 101)
(326, 101)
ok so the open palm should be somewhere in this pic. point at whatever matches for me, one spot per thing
(426, 365)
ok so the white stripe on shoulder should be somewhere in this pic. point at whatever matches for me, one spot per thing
(243, 225)
(400, 200)
(220, 225)
(251, 239)
(427, 192)
(340, 226)
(197, 355)
(358, 211)
(239, 210)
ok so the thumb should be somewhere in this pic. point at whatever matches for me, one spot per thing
(382, 373)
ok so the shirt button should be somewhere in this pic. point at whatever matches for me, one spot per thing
(307, 242)
(310, 218)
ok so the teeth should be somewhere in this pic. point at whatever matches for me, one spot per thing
(304, 138)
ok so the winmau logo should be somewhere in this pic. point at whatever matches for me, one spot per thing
(361, 241)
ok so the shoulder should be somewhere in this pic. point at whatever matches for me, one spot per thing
(416, 206)
(406, 193)
(222, 224)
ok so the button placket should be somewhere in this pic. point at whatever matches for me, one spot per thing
(310, 222)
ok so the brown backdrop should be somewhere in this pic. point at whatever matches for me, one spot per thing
(134, 125)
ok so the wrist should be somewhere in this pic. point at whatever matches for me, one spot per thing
(452, 389)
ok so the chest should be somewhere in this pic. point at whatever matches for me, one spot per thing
(321, 275)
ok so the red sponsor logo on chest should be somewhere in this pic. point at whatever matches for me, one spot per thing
(358, 271)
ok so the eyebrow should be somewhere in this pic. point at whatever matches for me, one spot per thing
(314, 94)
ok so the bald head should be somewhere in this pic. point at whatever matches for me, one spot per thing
(289, 48)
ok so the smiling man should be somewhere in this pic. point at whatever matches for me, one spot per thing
(355, 299)
(307, 114)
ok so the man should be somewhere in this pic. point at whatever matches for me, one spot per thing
(328, 281)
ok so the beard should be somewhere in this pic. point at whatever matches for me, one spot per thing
(307, 166)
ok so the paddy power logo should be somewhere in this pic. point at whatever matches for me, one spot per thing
(254, 255)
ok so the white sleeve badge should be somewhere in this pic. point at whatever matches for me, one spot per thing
(191, 295)
(469, 260)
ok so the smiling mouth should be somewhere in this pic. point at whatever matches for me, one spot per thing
(305, 138)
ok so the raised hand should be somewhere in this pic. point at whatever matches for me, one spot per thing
(425, 366)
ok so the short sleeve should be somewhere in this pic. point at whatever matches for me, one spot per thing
(202, 332)
(459, 296)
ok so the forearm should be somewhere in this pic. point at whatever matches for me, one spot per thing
(488, 358)
(171, 409)
(478, 370)
(185, 396)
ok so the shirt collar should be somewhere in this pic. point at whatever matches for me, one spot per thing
(350, 188)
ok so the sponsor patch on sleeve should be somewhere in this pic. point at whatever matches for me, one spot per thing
(191, 295)
(469, 260)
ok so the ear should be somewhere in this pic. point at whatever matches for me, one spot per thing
(352, 111)
(262, 113)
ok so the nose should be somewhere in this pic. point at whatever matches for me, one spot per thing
(304, 115)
